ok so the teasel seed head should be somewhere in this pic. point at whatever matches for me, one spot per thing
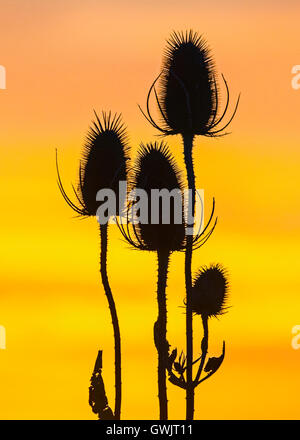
(188, 94)
(210, 291)
(188, 86)
(103, 163)
(155, 168)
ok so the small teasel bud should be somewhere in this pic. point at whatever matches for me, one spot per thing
(155, 169)
(210, 291)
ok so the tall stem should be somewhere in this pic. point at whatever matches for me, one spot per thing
(188, 158)
(114, 318)
(160, 334)
(204, 346)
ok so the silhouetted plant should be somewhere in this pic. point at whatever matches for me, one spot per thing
(188, 95)
(103, 166)
(209, 296)
(188, 103)
(155, 169)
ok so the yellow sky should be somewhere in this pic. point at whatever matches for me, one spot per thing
(64, 58)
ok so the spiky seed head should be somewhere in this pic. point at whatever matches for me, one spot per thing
(104, 160)
(156, 169)
(188, 90)
(210, 291)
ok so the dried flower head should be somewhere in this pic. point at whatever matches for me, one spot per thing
(155, 168)
(103, 164)
(210, 291)
(188, 96)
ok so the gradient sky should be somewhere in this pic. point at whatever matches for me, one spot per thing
(63, 59)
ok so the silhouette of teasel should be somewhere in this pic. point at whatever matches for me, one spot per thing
(103, 165)
(155, 169)
(188, 94)
(188, 104)
(209, 297)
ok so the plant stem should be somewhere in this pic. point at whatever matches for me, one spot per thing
(161, 332)
(114, 317)
(188, 158)
(204, 346)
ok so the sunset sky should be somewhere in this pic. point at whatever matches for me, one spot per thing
(64, 58)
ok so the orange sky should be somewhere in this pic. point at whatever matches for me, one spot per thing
(64, 58)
